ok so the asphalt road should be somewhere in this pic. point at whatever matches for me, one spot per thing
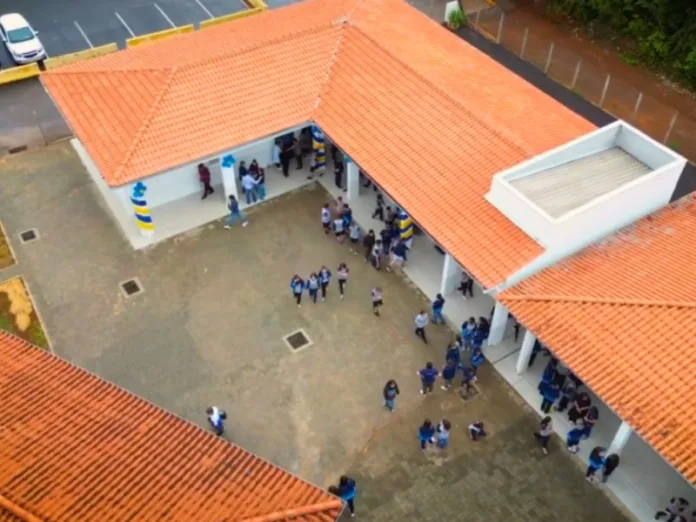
(67, 26)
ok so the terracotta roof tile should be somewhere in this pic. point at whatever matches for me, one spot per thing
(208, 91)
(622, 315)
(76, 448)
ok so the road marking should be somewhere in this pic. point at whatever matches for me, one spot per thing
(165, 15)
(125, 25)
(205, 8)
(83, 34)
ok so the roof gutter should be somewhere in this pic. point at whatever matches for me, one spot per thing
(297, 512)
(17, 511)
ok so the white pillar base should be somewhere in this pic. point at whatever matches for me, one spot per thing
(451, 274)
(525, 352)
(620, 439)
(498, 324)
(229, 181)
(352, 180)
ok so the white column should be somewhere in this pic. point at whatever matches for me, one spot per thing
(229, 176)
(500, 317)
(450, 275)
(620, 439)
(525, 352)
(352, 180)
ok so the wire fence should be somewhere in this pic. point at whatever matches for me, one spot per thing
(657, 119)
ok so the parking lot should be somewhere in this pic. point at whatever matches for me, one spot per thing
(66, 26)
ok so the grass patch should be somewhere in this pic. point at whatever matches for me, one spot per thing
(6, 257)
(18, 315)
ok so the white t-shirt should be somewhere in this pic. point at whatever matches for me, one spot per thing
(325, 215)
(215, 416)
(248, 182)
(421, 320)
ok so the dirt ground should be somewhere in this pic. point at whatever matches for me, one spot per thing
(661, 99)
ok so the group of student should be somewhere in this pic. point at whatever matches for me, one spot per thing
(676, 511)
(253, 180)
(319, 281)
(453, 365)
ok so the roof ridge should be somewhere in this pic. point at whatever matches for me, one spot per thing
(146, 121)
(67, 71)
(601, 300)
(16, 510)
(343, 22)
(288, 514)
(488, 122)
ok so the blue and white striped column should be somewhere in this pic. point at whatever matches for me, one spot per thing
(406, 228)
(319, 147)
(143, 217)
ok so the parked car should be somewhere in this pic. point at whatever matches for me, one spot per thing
(20, 39)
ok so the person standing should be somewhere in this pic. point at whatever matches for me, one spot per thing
(297, 148)
(285, 157)
(426, 434)
(580, 407)
(235, 213)
(438, 305)
(428, 376)
(568, 394)
(276, 153)
(467, 285)
(347, 490)
(610, 464)
(339, 230)
(369, 243)
(249, 185)
(354, 234)
(443, 434)
(298, 286)
(379, 208)
(342, 276)
(204, 176)
(574, 436)
(551, 393)
(468, 331)
(260, 180)
(477, 359)
(421, 321)
(377, 255)
(596, 461)
(324, 280)
(453, 353)
(313, 286)
(591, 418)
(386, 236)
(398, 255)
(483, 328)
(216, 417)
(391, 390)
(326, 218)
(376, 300)
(449, 371)
(544, 433)
(477, 430)
(338, 173)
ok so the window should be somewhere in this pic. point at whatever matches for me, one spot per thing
(23, 34)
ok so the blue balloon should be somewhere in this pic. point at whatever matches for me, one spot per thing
(139, 190)
(228, 161)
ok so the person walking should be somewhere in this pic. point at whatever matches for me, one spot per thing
(591, 418)
(324, 280)
(610, 464)
(342, 277)
(326, 218)
(596, 461)
(298, 286)
(428, 376)
(574, 436)
(477, 430)
(544, 433)
(235, 213)
(550, 392)
(368, 243)
(339, 230)
(376, 257)
(466, 285)
(438, 305)
(376, 300)
(354, 234)
(249, 185)
(391, 390)
(216, 418)
(313, 286)
(348, 490)
(449, 371)
(379, 208)
(421, 321)
(204, 176)
(443, 434)
(398, 255)
(426, 434)
(386, 236)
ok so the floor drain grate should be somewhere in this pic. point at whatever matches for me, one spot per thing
(131, 287)
(17, 150)
(297, 341)
(29, 235)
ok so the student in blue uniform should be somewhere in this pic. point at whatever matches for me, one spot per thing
(453, 353)
(468, 331)
(298, 286)
(324, 280)
(428, 376)
(326, 218)
(348, 490)
(549, 374)
(574, 436)
(483, 328)
(391, 390)
(551, 393)
(443, 434)
(438, 306)
(597, 458)
(313, 286)
(449, 371)
(216, 417)
(477, 360)
(426, 434)
(468, 376)
(591, 419)
(354, 234)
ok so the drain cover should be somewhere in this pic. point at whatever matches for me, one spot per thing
(131, 287)
(297, 341)
(29, 235)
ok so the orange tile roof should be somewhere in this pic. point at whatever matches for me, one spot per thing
(74, 448)
(622, 315)
(151, 108)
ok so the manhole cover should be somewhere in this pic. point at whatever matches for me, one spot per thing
(297, 341)
(29, 235)
(131, 287)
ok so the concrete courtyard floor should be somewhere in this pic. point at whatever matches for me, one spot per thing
(208, 330)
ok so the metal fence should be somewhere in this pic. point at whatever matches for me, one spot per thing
(657, 119)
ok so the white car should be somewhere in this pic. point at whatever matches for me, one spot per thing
(20, 39)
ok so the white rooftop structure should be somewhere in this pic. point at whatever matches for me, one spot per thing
(588, 188)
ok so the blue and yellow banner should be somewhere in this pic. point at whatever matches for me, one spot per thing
(143, 218)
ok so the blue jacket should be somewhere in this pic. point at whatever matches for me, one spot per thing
(325, 278)
(449, 371)
(400, 250)
(297, 285)
(426, 433)
(429, 375)
(551, 393)
(575, 435)
(438, 304)
(477, 358)
(348, 491)
(453, 354)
